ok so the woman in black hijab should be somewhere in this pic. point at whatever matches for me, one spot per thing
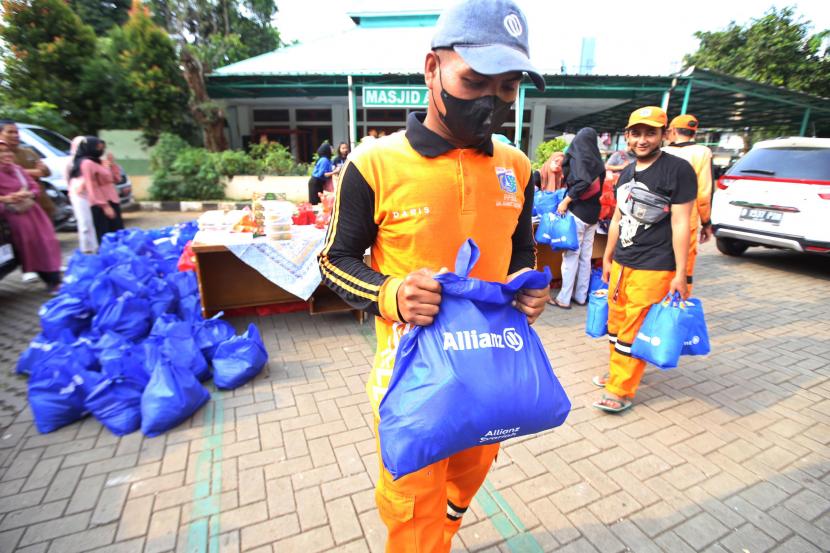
(583, 173)
(321, 175)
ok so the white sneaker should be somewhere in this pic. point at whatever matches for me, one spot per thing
(29, 277)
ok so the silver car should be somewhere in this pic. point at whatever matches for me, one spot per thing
(53, 149)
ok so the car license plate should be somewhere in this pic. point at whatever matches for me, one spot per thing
(762, 215)
(6, 253)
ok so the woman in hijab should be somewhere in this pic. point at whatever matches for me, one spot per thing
(97, 186)
(33, 236)
(582, 173)
(321, 176)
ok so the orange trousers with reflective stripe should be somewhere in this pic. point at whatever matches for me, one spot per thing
(690, 262)
(631, 292)
(416, 508)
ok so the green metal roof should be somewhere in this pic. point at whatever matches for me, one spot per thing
(721, 102)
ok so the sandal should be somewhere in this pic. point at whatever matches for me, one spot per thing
(599, 381)
(603, 404)
(554, 301)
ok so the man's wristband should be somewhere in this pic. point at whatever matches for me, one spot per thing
(706, 224)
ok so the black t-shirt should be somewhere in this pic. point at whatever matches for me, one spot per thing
(649, 247)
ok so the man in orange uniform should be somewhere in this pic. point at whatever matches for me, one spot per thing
(681, 136)
(414, 197)
(648, 246)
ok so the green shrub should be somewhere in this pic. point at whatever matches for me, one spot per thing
(182, 172)
(545, 149)
(165, 151)
(236, 162)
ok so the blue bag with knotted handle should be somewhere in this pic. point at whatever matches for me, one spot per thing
(663, 332)
(477, 375)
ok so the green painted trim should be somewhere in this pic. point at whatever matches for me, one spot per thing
(203, 533)
(506, 521)
(804, 122)
(395, 21)
(520, 116)
(686, 96)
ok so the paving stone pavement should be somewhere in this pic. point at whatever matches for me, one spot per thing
(727, 453)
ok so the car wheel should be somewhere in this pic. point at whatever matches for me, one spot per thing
(729, 246)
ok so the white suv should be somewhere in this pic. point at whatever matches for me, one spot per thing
(777, 195)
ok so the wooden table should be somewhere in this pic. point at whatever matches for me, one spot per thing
(553, 259)
(226, 282)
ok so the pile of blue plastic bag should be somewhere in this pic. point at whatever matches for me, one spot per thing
(125, 340)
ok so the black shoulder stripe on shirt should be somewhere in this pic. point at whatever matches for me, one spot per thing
(351, 232)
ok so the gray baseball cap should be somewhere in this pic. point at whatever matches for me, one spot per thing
(490, 35)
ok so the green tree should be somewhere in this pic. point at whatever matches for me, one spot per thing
(47, 48)
(777, 48)
(210, 34)
(101, 16)
(150, 90)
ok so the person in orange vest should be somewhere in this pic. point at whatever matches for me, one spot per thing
(681, 136)
(413, 198)
(647, 250)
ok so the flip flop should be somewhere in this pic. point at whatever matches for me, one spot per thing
(553, 301)
(624, 404)
(599, 381)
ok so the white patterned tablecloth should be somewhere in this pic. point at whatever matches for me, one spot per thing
(290, 264)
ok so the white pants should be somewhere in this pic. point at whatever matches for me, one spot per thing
(576, 265)
(87, 240)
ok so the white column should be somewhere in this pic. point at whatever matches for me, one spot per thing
(244, 123)
(538, 115)
(339, 125)
(292, 124)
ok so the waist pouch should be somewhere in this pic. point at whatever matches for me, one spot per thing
(647, 207)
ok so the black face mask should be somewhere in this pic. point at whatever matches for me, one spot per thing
(473, 122)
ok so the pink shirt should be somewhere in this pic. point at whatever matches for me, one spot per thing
(96, 183)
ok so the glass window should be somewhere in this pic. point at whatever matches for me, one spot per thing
(785, 163)
(56, 141)
(310, 115)
(269, 115)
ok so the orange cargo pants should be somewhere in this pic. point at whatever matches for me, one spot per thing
(422, 511)
(690, 262)
(631, 292)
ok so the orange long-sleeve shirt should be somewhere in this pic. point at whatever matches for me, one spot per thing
(414, 199)
(700, 158)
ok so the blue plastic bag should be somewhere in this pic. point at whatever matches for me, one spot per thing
(547, 202)
(163, 299)
(477, 375)
(239, 359)
(116, 403)
(64, 312)
(57, 389)
(212, 332)
(662, 333)
(563, 235)
(128, 316)
(172, 395)
(126, 360)
(175, 340)
(596, 324)
(596, 282)
(697, 341)
(184, 283)
(35, 354)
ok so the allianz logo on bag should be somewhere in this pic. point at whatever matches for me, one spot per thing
(499, 434)
(693, 342)
(559, 239)
(470, 339)
(653, 340)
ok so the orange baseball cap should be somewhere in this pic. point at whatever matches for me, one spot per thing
(649, 115)
(684, 122)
